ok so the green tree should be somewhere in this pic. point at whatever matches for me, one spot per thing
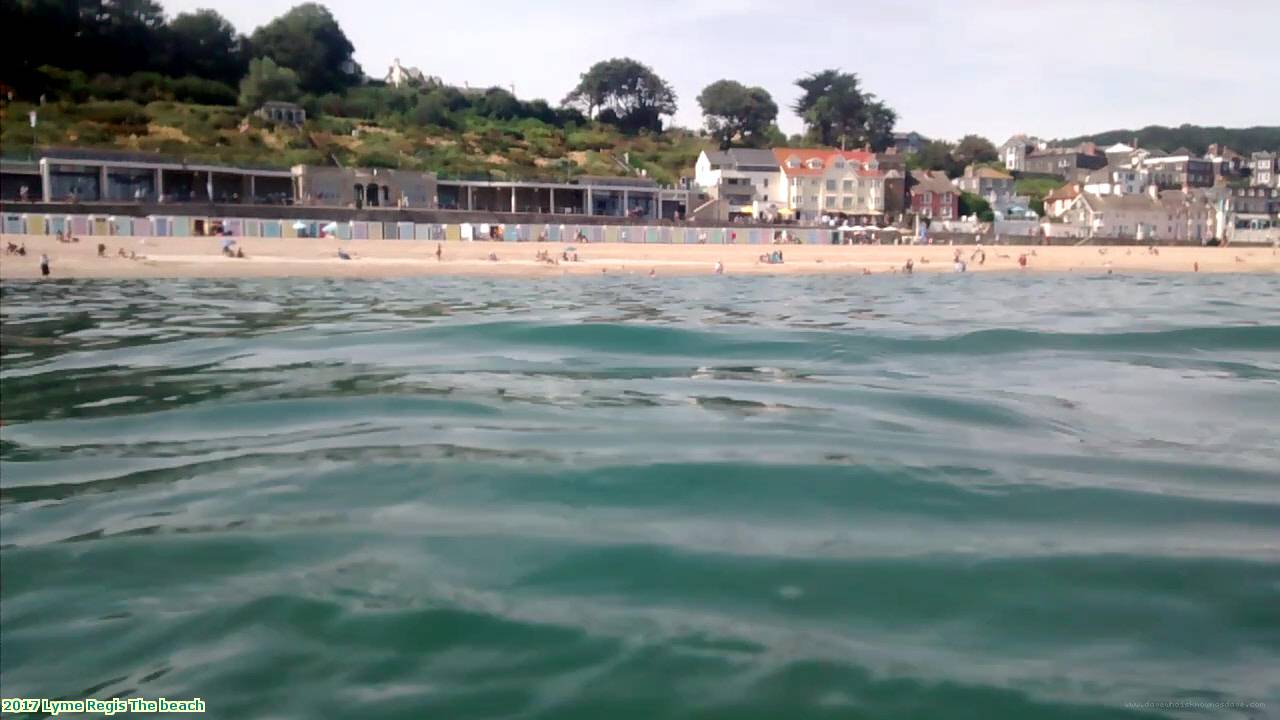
(933, 155)
(636, 96)
(974, 149)
(735, 112)
(204, 44)
(971, 204)
(308, 40)
(837, 111)
(267, 81)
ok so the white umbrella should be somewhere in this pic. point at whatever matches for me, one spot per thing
(299, 225)
(331, 227)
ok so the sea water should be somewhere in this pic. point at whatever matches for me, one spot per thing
(944, 496)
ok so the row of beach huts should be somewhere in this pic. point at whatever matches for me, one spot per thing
(91, 225)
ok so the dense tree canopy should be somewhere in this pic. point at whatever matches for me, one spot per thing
(205, 44)
(267, 81)
(309, 41)
(735, 113)
(626, 92)
(837, 111)
(974, 149)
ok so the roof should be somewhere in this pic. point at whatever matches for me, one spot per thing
(1121, 203)
(824, 155)
(717, 157)
(1118, 148)
(1066, 192)
(281, 104)
(1101, 175)
(992, 173)
(753, 157)
(930, 181)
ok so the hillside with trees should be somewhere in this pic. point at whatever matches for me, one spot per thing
(1195, 138)
(121, 74)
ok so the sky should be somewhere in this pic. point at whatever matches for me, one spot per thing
(993, 67)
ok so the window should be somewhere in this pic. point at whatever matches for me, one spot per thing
(831, 186)
(848, 186)
(815, 164)
(831, 201)
(928, 196)
(813, 199)
(839, 162)
(793, 162)
(766, 182)
(848, 202)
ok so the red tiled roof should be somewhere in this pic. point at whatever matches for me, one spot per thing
(826, 155)
(1066, 192)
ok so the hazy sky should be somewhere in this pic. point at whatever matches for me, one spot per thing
(994, 67)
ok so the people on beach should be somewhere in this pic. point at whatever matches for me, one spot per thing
(719, 268)
(1022, 260)
(653, 272)
(44, 265)
(102, 249)
(22, 250)
(493, 257)
(439, 252)
(910, 267)
(227, 244)
(343, 255)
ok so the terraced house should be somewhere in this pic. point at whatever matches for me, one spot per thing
(821, 182)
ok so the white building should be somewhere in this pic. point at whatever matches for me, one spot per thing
(1014, 151)
(747, 179)
(1117, 180)
(820, 181)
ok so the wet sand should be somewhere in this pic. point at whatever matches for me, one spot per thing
(273, 257)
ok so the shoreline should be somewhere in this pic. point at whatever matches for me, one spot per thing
(201, 257)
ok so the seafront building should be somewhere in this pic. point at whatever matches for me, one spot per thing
(89, 176)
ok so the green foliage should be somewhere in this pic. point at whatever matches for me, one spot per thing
(1036, 187)
(631, 91)
(267, 81)
(735, 112)
(936, 155)
(1197, 138)
(837, 111)
(308, 40)
(205, 44)
(971, 204)
(974, 149)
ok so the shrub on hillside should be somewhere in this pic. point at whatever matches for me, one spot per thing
(124, 113)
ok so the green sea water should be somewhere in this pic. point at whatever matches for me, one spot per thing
(945, 496)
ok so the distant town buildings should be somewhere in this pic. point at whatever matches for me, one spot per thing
(908, 143)
(1015, 150)
(1068, 163)
(933, 196)
(401, 76)
(1264, 170)
(994, 186)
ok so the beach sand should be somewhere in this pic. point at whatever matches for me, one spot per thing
(273, 257)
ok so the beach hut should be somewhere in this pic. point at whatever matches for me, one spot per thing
(272, 229)
(252, 228)
(423, 231)
(375, 231)
(343, 230)
(160, 225)
(359, 230)
(14, 224)
(452, 232)
(54, 224)
(235, 226)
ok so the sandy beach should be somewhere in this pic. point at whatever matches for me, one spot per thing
(202, 257)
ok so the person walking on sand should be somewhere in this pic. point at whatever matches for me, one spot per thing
(439, 253)
(44, 265)
(719, 268)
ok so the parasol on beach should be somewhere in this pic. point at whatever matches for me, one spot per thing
(299, 225)
(330, 228)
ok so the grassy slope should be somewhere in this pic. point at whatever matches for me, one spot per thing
(518, 149)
